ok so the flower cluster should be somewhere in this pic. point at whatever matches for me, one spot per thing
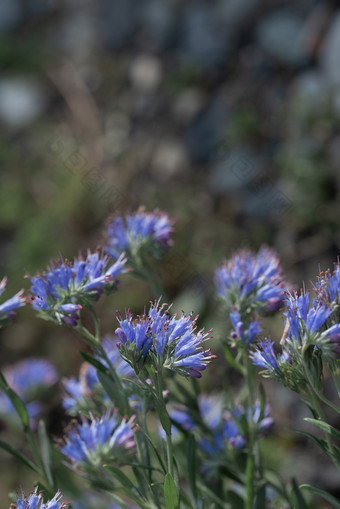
(223, 428)
(28, 378)
(85, 393)
(7, 308)
(251, 281)
(65, 287)
(90, 443)
(142, 231)
(35, 501)
(327, 287)
(163, 340)
(308, 325)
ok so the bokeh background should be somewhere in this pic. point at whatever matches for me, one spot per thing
(224, 113)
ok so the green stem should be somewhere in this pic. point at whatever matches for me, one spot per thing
(167, 430)
(250, 468)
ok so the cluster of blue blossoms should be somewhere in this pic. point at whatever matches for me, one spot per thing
(66, 287)
(312, 332)
(90, 443)
(35, 501)
(223, 428)
(250, 284)
(143, 231)
(162, 340)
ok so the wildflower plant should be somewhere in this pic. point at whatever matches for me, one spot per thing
(146, 375)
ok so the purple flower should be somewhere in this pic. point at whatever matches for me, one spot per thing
(307, 325)
(65, 287)
(35, 501)
(245, 335)
(251, 280)
(265, 357)
(143, 230)
(327, 287)
(28, 378)
(7, 308)
(99, 440)
(167, 340)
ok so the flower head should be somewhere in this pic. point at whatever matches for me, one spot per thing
(35, 501)
(164, 340)
(149, 231)
(327, 287)
(65, 287)
(249, 280)
(7, 308)
(28, 378)
(91, 443)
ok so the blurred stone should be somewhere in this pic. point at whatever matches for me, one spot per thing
(187, 104)
(330, 53)
(203, 134)
(146, 72)
(234, 12)
(233, 171)
(10, 15)
(21, 101)
(204, 38)
(159, 20)
(119, 20)
(281, 35)
(170, 158)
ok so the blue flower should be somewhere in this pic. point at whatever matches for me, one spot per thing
(85, 393)
(306, 325)
(65, 287)
(245, 335)
(28, 378)
(165, 340)
(327, 287)
(249, 279)
(35, 501)
(265, 357)
(91, 443)
(143, 230)
(7, 308)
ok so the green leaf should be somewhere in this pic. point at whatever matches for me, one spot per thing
(230, 359)
(262, 397)
(300, 501)
(6, 447)
(154, 448)
(120, 476)
(325, 427)
(209, 493)
(92, 360)
(18, 404)
(260, 498)
(112, 390)
(170, 492)
(163, 416)
(192, 465)
(45, 448)
(322, 494)
(321, 443)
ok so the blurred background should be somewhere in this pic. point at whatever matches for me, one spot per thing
(224, 113)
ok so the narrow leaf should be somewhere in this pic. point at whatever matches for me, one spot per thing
(325, 427)
(45, 448)
(192, 465)
(300, 501)
(120, 476)
(92, 360)
(170, 492)
(6, 447)
(322, 494)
